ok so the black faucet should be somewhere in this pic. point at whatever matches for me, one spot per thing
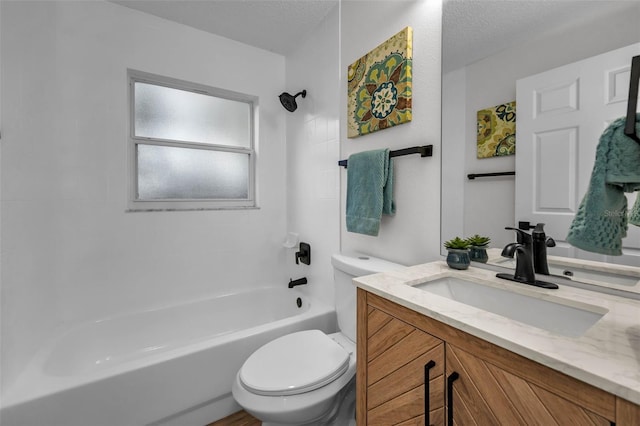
(521, 238)
(299, 281)
(540, 244)
(525, 273)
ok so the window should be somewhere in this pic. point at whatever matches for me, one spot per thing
(191, 145)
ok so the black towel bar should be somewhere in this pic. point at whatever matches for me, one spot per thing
(632, 105)
(472, 176)
(424, 151)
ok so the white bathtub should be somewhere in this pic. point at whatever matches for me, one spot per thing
(170, 366)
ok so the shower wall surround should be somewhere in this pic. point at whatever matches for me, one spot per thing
(69, 251)
(313, 190)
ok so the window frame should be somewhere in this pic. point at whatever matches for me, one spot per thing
(135, 204)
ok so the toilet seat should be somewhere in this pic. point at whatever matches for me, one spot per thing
(293, 364)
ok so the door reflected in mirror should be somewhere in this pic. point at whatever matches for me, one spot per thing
(488, 46)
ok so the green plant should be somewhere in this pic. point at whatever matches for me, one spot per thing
(457, 243)
(478, 241)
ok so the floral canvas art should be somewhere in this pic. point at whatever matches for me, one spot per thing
(497, 131)
(379, 86)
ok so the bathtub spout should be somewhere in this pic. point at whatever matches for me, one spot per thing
(299, 281)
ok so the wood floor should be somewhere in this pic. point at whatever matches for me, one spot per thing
(241, 418)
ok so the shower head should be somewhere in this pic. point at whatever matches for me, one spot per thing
(289, 101)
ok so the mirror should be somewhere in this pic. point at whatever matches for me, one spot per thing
(487, 47)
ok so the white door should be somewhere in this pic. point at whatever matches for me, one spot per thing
(561, 115)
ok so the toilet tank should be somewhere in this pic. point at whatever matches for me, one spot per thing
(347, 266)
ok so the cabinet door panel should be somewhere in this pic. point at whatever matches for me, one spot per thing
(627, 413)
(416, 421)
(399, 409)
(412, 346)
(562, 409)
(410, 376)
(387, 336)
(376, 319)
(397, 354)
(464, 415)
(509, 399)
(468, 401)
(436, 419)
(523, 398)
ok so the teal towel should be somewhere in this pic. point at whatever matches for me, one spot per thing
(369, 190)
(601, 221)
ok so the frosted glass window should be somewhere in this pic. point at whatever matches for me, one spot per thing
(166, 113)
(191, 145)
(167, 172)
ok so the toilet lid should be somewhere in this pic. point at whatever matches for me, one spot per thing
(295, 363)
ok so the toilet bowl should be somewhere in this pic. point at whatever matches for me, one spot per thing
(297, 379)
(308, 377)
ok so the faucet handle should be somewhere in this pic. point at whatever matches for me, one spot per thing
(304, 255)
(523, 237)
(550, 242)
(525, 225)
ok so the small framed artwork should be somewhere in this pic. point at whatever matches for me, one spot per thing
(379, 86)
(497, 131)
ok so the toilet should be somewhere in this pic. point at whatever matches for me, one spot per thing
(308, 377)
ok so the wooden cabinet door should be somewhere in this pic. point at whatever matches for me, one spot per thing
(484, 394)
(399, 358)
(627, 413)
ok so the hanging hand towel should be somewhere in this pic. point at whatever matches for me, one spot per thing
(601, 221)
(369, 190)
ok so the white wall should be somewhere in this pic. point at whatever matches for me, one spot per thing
(453, 147)
(69, 251)
(1, 250)
(411, 236)
(489, 203)
(313, 149)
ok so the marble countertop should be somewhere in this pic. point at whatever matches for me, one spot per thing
(606, 356)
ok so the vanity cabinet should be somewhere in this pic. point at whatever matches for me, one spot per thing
(404, 365)
(470, 381)
(484, 394)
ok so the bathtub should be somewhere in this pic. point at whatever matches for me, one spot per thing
(169, 366)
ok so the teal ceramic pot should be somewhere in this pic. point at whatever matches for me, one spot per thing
(478, 254)
(458, 259)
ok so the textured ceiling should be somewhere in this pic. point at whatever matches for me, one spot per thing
(274, 25)
(475, 29)
(472, 29)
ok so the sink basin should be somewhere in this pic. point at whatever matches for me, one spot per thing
(556, 317)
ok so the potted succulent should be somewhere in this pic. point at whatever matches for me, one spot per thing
(458, 253)
(478, 248)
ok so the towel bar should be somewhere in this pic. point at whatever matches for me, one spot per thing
(632, 105)
(424, 151)
(472, 176)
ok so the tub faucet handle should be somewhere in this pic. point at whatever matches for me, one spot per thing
(299, 281)
(304, 255)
